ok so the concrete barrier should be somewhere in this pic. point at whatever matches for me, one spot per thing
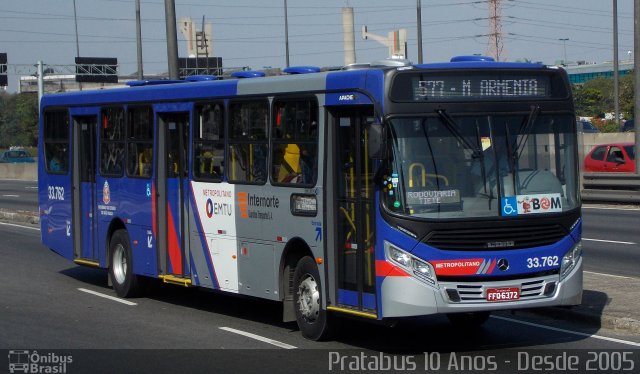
(611, 187)
(588, 140)
(24, 171)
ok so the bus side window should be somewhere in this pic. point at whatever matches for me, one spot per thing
(295, 141)
(140, 142)
(248, 143)
(56, 142)
(208, 142)
(112, 142)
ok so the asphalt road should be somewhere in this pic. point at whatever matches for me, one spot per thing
(45, 303)
(611, 240)
(21, 195)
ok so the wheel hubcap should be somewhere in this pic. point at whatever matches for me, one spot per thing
(309, 299)
(119, 264)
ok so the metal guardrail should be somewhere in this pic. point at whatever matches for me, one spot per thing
(611, 187)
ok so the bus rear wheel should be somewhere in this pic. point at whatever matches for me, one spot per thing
(312, 319)
(125, 283)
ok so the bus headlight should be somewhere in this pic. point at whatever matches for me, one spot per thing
(412, 265)
(423, 270)
(570, 260)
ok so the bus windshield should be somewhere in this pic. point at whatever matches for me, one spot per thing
(464, 166)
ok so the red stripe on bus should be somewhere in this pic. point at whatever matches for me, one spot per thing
(175, 255)
(387, 269)
(153, 209)
(493, 264)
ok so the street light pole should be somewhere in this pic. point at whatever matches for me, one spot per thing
(636, 75)
(616, 74)
(286, 32)
(139, 41)
(75, 19)
(172, 38)
(564, 46)
(419, 15)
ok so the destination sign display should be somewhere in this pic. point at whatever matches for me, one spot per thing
(472, 86)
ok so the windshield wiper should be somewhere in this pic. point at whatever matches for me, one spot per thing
(453, 127)
(477, 153)
(525, 130)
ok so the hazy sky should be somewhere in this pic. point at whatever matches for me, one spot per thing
(251, 33)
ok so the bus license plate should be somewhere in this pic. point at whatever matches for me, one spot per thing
(503, 294)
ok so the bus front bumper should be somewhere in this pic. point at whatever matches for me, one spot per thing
(407, 296)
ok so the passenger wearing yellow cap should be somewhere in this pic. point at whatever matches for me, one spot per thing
(290, 170)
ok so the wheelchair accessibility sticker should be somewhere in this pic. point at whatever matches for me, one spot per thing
(509, 206)
(530, 204)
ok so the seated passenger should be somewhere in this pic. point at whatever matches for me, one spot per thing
(55, 164)
(290, 168)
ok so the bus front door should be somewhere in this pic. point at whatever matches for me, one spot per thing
(84, 189)
(172, 184)
(354, 211)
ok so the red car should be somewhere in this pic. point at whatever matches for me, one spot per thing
(614, 157)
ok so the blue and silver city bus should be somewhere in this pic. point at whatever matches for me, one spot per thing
(382, 191)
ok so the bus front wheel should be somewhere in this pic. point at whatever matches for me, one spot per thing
(125, 283)
(312, 319)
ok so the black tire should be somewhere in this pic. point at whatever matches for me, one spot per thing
(312, 319)
(468, 320)
(125, 283)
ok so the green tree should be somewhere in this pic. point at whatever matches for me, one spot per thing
(8, 127)
(18, 119)
(27, 118)
(594, 97)
(627, 100)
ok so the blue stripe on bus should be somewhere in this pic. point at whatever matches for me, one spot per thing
(348, 297)
(393, 236)
(156, 94)
(194, 271)
(203, 240)
(577, 231)
(368, 80)
(521, 262)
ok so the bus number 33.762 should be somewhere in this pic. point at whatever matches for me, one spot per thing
(56, 193)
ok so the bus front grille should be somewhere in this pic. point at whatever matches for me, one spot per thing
(492, 238)
(477, 292)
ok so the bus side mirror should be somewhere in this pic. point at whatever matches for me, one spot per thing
(375, 140)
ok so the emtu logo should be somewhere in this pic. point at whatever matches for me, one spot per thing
(243, 204)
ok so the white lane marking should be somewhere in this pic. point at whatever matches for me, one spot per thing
(609, 241)
(609, 208)
(10, 195)
(609, 275)
(24, 227)
(31, 187)
(569, 331)
(260, 338)
(126, 302)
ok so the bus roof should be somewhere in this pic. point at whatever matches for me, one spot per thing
(359, 78)
(481, 65)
